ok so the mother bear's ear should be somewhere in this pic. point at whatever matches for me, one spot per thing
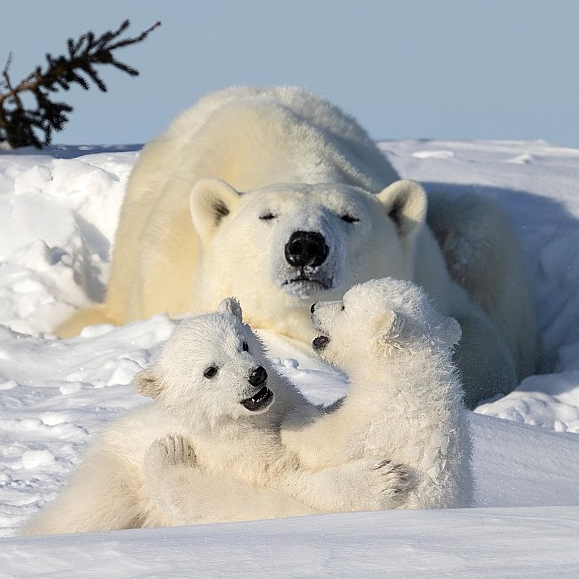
(405, 202)
(211, 200)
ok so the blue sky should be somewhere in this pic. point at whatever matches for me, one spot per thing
(445, 69)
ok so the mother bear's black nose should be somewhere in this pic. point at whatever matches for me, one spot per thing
(306, 248)
(258, 376)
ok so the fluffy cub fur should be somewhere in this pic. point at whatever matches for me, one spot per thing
(213, 384)
(405, 397)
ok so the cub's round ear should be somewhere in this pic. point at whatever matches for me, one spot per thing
(450, 331)
(211, 200)
(148, 383)
(232, 306)
(405, 203)
(390, 327)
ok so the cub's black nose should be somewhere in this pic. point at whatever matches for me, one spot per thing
(320, 343)
(306, 248)
(258, 376)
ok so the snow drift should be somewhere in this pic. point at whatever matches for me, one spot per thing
(58, 213)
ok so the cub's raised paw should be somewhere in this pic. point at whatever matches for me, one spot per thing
(172, 450)
(395, 482)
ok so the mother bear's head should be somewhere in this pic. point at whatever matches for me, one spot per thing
(283, 247)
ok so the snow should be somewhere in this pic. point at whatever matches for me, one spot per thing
(403, 544)
(58, 214)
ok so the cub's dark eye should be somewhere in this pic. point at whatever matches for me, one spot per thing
(245, 347)
(210, 372)
(343, 307)
(348, 218)
(267, 216)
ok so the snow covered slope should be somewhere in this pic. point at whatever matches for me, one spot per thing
(469, 543)
(58, 213)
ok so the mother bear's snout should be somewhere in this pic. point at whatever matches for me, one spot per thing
(258, 376)
(306, 248)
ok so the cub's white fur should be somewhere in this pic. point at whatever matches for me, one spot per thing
(320, 211)
(405, 396)
(212, 384)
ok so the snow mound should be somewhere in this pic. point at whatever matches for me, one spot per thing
(58, 215)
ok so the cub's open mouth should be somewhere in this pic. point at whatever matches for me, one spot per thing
(320, 343)
(259, 401)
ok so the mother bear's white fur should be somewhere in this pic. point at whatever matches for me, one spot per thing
(312, 180)
(212, 384)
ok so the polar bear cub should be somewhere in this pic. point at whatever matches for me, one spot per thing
(213, 384)
(405, 396)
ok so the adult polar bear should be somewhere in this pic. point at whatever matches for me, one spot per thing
(321, 211)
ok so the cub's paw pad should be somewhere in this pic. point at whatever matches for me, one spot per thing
(172, 450)
(396, 479)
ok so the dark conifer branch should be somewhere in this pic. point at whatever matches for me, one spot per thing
(20, 126)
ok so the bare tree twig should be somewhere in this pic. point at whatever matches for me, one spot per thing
(19, 126)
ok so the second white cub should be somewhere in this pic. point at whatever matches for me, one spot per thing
(405, 397)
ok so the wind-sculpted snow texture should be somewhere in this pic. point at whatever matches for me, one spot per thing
(58, 213)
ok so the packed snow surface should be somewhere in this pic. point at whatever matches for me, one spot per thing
(58, 215)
